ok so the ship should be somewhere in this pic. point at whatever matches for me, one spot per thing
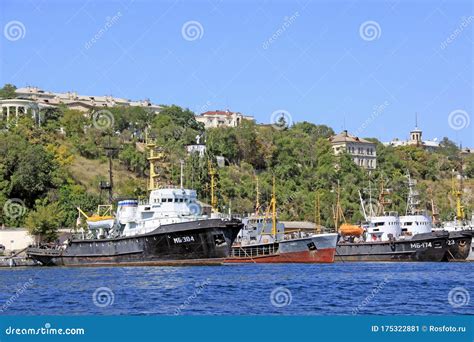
(263, 240)
(416, 221)
(380, 238)
(167, 228)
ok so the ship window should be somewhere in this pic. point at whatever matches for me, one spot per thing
(311, 246)
(163, 200)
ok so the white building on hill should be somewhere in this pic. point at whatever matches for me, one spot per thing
(362, 151)
(220, 118)
(74, 101)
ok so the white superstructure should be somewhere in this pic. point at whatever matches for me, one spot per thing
(165, 206)
(384, 228)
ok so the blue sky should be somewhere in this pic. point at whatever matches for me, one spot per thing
(320, 66)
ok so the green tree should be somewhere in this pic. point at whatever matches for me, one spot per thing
(45, 221)
(8, 91)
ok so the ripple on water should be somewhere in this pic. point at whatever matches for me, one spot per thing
(337, 289)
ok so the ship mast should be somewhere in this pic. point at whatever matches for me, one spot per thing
(412, 201)
(257, 199)
(153, 158)
(382, 200)
(181, 162)
(212, 173)
(434, 210)
(317, 213)
(274, 230)
(363, 206)
(337, 212)
(110, 152)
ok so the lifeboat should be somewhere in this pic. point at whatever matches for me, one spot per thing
(100, 220)
(350, 230)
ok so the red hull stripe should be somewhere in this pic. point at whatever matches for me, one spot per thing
(320, 256)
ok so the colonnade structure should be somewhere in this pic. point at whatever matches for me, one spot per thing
(12, 109)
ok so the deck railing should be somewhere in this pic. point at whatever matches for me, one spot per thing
(250, 252)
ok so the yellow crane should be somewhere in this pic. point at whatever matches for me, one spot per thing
(153, 157)
(458, 194)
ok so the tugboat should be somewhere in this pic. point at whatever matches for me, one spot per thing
(418, 222)
(381, 239)
(167, 229)
(263, 240)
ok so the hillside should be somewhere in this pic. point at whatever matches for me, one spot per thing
(52, 169)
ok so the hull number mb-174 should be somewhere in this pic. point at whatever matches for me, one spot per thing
(421, 245)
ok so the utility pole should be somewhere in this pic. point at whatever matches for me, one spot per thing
(110, 152)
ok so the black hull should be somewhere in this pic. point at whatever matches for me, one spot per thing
(422, 247)
(459, 245)
(198, 242)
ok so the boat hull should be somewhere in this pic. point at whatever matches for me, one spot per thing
(459, 245)
(422, 247)
(470, 257)
(314, 249)
(198, 242)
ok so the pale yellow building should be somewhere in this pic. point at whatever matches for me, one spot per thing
(362, 151)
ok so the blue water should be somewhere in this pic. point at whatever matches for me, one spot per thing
(328, 289)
